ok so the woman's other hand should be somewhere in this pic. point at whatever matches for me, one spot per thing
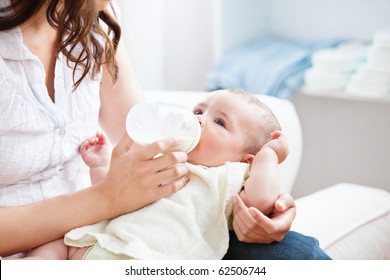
(137, 177)
(252, 226)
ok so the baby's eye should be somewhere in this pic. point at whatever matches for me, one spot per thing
(220, 122)
(198, 112)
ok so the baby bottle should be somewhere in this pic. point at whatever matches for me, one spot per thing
(148, 122)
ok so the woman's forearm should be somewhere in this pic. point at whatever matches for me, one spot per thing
(27, 226)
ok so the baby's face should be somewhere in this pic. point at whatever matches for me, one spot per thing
(225, 119)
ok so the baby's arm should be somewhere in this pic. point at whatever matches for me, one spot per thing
(96, 153)
(263, 185)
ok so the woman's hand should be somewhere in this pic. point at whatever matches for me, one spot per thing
(252, 226)
(137, 177)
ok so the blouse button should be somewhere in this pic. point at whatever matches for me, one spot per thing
(61, 132)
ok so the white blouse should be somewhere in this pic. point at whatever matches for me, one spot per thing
(39, 139)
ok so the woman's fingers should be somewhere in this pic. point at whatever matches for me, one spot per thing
(163, 162)
(284, 202)
(123, 146)
(168, 160)
(144, 174)
(160, 160)
(159, 147)
(168, 175)
(241, 219)
(172, 187)
(251, 225)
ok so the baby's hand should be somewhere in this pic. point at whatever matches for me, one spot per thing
(96, 151)
(278, 143)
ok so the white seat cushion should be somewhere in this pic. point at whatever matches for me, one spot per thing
(350, 221)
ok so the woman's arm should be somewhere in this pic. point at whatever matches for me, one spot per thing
(28, 226)
(124, 190)
(117, 98)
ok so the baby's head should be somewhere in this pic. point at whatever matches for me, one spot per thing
(235, 125)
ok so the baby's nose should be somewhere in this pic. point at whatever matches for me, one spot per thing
(201, 120)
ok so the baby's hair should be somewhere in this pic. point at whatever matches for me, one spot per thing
(264, 124)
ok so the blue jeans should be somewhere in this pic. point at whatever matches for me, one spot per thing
(294, 246)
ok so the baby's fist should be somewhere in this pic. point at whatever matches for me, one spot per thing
(278, 143)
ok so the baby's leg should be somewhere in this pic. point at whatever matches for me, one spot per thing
(77, 253)
(55, 250)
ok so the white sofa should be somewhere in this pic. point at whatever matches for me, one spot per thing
(350, 221)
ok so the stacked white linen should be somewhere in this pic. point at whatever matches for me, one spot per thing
(373, 78)
(332, 68)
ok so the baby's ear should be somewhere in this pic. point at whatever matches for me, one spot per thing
(248, 158)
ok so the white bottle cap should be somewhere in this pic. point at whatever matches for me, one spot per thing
(148, 122)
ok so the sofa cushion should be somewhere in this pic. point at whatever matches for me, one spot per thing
(350, 221)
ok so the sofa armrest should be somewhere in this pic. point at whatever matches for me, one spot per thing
(350, 221)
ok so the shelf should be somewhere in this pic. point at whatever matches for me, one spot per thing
(342, 95)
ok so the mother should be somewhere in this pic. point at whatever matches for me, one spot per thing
(63, 73)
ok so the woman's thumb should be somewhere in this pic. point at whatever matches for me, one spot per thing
(124, 144)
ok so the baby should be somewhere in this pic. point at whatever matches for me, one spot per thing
(239, 151)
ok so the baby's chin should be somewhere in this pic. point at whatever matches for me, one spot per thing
(201, 161)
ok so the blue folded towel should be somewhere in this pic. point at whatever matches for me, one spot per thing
(268, 66)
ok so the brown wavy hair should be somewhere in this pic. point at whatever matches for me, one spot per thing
(78, 24)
